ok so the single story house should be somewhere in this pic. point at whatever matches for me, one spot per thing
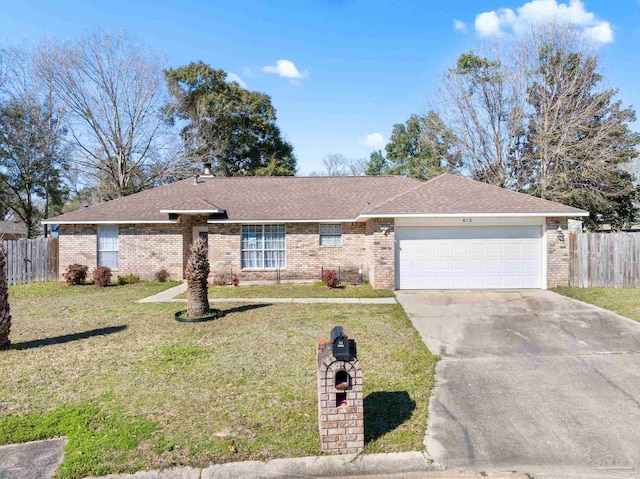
(402, 233)
(12, 230)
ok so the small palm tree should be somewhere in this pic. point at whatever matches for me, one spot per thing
(5, 312)
(197, 272)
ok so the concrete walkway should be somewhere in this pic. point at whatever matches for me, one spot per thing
(31, 460)
(169, 296)
(165, 296)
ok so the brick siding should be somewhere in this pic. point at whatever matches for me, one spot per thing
(557, 253)
(304, 255)
(77, 244)
(370, 246)
(143, 248)
(380, 252)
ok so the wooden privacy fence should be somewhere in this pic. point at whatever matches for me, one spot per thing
(31, 260)
(610, 260)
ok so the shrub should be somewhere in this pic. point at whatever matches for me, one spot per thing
(234, 280)
(330, 278)
(162, 276)
(128, 279)
(220, 280)
(102, 276)
(75, 274)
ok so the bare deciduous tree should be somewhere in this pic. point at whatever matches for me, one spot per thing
(576, 132)
(25, 89)
(533, 114)
(336, 164)
(114, 93)
(481, 101)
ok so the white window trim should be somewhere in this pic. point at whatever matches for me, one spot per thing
(320, 235)
(263, 250)
(98, 250)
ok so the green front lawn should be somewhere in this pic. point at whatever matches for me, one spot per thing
(625, 301)
(133, 389)
(291, 290)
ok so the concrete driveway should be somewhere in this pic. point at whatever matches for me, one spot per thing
(530, 381)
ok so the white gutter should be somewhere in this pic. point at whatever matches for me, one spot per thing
(471, 215)
(359, 218)
(101, 222)
(264, 222)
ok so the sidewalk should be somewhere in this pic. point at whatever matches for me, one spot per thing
(165, 296)
(169, 296)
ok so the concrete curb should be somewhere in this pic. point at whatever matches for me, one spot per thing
(323, 466)
(302, 467)
(390, 465)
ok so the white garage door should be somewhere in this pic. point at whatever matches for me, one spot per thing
(469, 257)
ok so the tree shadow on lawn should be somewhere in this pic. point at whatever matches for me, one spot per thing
(67, 338)
(384, 411)
(245, 307)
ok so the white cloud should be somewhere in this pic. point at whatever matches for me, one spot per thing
(375, 141)
(460, 26)
(487, 24)
(506, 20)
(286, 69)
(599, 33)
(236, 78)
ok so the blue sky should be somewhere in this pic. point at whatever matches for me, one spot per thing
(361, 65)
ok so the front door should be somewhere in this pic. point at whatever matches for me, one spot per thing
(201, 232)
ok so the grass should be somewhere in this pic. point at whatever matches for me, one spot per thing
(293, 290)
(624, 301)
(133, 389)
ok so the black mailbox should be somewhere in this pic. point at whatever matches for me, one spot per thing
(344, 349)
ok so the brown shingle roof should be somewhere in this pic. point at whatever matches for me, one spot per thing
(254, 198)
(452, 194)
(192, 204)
(12, 228)
(315, 198)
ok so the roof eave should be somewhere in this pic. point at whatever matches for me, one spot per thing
(105, 222)
(279, 221)
(472, 215)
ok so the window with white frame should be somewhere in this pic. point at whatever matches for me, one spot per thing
(330, 235)
(263, 246)
(108, 246)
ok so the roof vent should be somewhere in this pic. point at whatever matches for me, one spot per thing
(197, 178)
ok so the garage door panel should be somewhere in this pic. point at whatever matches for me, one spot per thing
(469, 257)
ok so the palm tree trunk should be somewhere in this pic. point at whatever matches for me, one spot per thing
(5, 312)
(197, 301)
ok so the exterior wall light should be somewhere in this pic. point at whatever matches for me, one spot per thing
(560, 233)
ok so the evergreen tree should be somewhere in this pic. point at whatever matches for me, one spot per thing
(228, 126)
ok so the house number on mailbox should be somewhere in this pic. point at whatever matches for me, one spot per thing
(466, 220)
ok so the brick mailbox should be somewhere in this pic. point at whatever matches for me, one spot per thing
(340, 403)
